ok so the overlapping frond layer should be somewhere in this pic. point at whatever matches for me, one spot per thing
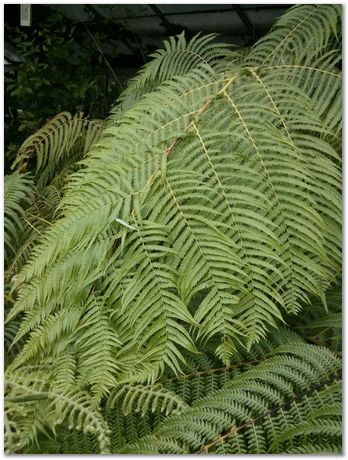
(321, 325)
(63, 139)
(267, 409)
(46, 408)
(18, 195)
(204, 374)
(266, 401)
(299, 36)
(178, 57)
(209, 209)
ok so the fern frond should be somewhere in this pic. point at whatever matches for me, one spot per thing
(65, 139)
(247, 415)
(18, 195)
(64, 371)
(53, 144)
(154, 324)
(333, 320)
(94, 332)
(140, 399)
(45, 408)
(299, 36)
(205, 213)
(265, 373)
(177, 58)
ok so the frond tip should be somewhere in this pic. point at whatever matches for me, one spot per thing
(140, 398)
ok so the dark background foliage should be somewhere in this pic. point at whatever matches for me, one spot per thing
(79, 57)
(55, 74)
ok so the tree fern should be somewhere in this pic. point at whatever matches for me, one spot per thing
(204, 216)
(200, 184)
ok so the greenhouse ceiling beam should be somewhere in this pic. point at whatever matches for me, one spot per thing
(246, 21)
(170, 28)
(120, 35)
(246, 7)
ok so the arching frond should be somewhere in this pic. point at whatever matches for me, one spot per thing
(170, 249)
(177, 58)
(284, 398)
(218, 199)
(64, 138)
(299, 36)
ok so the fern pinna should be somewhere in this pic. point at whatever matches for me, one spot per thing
(204, 216)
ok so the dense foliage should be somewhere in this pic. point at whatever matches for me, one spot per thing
(56, 73)
(173, 277)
